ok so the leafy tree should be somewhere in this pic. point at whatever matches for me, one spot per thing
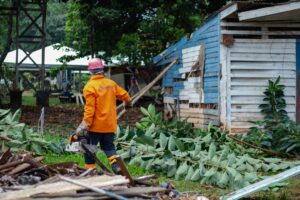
(133, 30)
(56, 20)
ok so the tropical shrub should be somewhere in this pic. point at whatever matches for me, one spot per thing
(18, 136)
(208, 156)
(276, 131)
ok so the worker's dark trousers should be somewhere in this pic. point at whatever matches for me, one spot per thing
(106, 141)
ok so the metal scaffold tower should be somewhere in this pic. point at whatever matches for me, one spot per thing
(29, 36)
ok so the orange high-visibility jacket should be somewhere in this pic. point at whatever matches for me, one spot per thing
(100, 95)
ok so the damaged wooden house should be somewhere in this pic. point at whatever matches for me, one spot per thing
(224, 66)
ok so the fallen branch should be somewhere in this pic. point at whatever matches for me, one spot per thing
(254, 146)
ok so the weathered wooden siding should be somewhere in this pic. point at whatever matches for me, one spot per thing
(207, 35)
(250, 64)
(191, 93)
(200, 117)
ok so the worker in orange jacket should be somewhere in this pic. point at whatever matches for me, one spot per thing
(100, 115)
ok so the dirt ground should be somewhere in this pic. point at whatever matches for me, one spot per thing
(69, 116)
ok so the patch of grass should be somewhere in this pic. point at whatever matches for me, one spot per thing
(28, 100)
(54, 158)
(72, 157)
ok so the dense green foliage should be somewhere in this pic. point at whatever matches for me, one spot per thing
(276, 131)
(135, 31)
(180, 151)
(18, 136)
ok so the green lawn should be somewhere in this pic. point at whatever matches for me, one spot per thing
(31, 101)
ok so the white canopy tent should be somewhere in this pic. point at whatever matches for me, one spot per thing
(11, 56)
(52, 55)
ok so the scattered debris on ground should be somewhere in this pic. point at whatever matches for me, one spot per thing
(23, 176)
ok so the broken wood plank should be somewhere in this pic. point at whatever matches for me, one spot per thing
(98, 190)
(141, 93)
(128, 192)
(61, 186)
(124, 169)
(24, 166)
(147, 177)
(246, 191)
(12, 164)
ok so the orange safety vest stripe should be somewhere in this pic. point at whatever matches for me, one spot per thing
(100, 95)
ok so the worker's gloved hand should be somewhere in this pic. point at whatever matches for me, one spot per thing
(82, 129)
(128, 105)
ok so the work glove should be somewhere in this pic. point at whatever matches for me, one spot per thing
(128, 105)
(82, 129)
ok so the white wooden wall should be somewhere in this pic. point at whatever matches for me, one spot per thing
(246, 68)
(192, 90)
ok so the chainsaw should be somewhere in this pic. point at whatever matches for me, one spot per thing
(79, 144)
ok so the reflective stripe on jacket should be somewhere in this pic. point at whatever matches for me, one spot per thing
(100, 95)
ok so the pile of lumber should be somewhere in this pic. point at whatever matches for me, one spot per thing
(23, 176)
(24, 169)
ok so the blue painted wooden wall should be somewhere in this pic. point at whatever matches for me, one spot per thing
(209, 36)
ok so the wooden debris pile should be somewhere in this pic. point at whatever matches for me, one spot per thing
(23, 176)
(24, 169)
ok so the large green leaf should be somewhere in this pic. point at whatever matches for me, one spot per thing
(202, 169)
(182, 170)
(224, 153)
(171, 162)
(3, 112)
(150, 130)
(196, 176)
(16, 116)
(151, 110)
(210, 172)
(163, 140)
(179, 144)
(144, 111)
(231, 159)
(224, 180)
(171, 171)
(171, 143)
(144, 139)
(189, 174)
(197, 149)
(212, 150)
(232, 171)
(37, 149)
(250, 177)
